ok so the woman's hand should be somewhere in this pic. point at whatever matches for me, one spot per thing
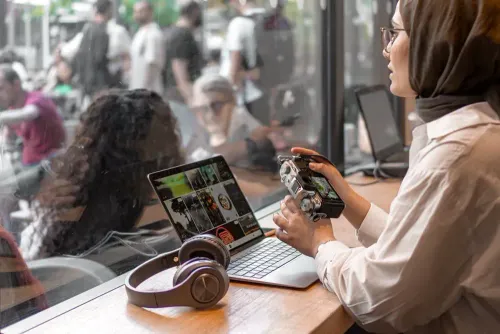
(340, 185)
(356, 206)
(297, 231)
(57, 194)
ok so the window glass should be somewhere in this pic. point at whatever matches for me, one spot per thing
(364, 67)
(95, 95)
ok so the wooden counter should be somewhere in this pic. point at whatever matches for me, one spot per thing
(247, 308)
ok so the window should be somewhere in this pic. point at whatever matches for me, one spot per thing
(364, 67)
(245, 82)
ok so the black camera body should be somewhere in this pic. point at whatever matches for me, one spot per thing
(314, 193)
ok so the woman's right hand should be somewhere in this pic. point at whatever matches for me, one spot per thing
(356, 206)
(341, 186)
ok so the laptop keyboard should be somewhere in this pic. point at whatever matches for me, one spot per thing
(263, 259)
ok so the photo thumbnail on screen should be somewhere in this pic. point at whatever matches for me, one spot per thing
(248, 224)
(181, 218)
(173, 186)
(209, 175)
(196, 179)
(222, 171)
(224, 202)
(229, 232)
(198, 212)
(209, 203)
(236, 195)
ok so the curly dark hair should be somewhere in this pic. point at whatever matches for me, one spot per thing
(123, 136)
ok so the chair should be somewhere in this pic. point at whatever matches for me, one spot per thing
(64, 278)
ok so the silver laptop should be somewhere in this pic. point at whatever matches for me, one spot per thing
(204, 197)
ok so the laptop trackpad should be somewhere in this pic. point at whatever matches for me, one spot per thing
(299, 273)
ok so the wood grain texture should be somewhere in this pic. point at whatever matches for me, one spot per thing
(247, 308)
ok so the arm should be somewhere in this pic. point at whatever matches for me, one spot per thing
(400, 282)
(69, 49)
(232, 152)
(181, 74)
(235, 45)
(235, 76)
(16, 116)
(154, 56)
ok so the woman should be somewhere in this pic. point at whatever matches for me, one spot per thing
(229, 129)
(431, 264)
(123, 136)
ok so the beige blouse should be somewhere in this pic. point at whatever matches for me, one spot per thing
(432, 265)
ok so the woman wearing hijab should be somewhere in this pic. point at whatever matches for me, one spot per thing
(430, 265)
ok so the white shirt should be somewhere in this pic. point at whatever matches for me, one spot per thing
(241, 37)
(242, 124)
(432, 265)
(147, 49)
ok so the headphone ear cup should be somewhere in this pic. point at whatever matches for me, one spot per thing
(185, 269)
(206, 246)
(210, 286)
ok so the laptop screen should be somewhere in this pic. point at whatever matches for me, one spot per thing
(380, 123)
(203, 197)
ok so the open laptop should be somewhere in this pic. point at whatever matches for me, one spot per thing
(204, 197)
(387, 145)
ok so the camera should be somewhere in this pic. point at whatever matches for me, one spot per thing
(314, 193)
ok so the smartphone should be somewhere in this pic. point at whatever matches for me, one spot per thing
(290, 121)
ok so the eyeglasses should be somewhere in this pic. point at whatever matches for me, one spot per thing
(389, 35)
(214, 106)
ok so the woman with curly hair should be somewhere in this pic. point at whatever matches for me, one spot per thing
(123, 136)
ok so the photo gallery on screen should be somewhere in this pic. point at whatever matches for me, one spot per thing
(206, 200)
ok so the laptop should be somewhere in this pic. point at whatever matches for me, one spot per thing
(387, 145)
(204, 197)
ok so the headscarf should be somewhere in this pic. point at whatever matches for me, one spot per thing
(454, 53)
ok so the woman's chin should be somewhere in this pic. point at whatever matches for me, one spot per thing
(396, 89)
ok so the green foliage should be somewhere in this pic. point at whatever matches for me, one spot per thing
(60, 4)
(165, 11)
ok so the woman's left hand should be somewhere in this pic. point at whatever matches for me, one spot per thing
(297, 231)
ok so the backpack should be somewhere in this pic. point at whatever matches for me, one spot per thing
(275, 49)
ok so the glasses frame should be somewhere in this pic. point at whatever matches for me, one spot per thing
(212, 107)
(394, 32)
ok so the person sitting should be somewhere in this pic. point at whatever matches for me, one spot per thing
(16, 276)
(9, 57)
(62, 82)
(228, 129)
(429, 265)
(32, 116)
(99, 184)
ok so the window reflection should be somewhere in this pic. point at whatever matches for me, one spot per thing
(94, 96)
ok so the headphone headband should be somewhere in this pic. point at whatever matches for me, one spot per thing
(199, 282)
(143, 272)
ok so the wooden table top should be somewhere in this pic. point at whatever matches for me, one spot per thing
(248, 308)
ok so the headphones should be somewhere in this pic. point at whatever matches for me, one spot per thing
(200, 281)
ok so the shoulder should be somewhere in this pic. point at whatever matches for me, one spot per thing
(242, 118)
(466, 149)
(178, 34)
(40, 100)
(156, 30)
(240, 24)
